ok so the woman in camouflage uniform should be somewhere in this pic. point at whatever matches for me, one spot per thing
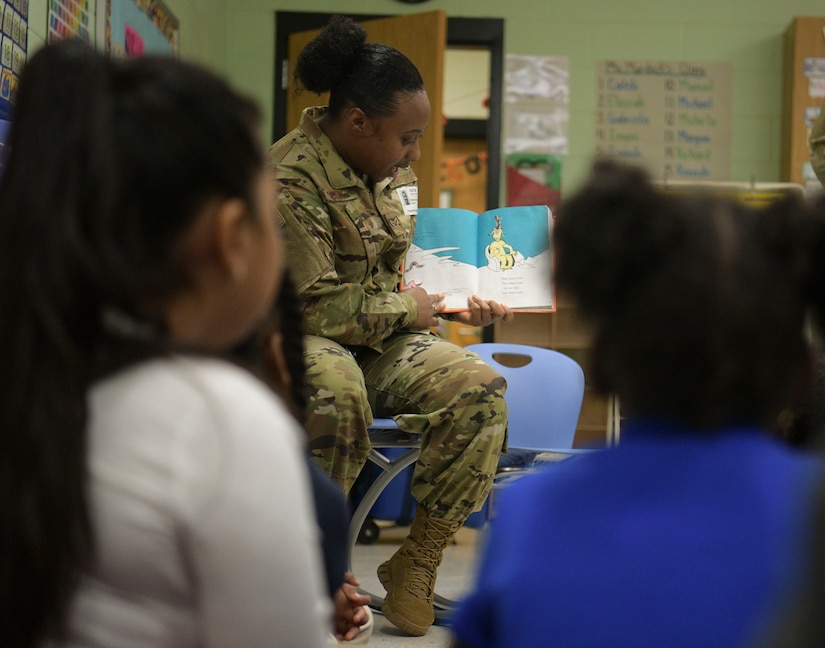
(348, 202)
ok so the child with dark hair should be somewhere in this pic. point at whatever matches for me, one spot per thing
(799, 622)
(145, 479)
(277, 352)
(348, 203)
(690, 530)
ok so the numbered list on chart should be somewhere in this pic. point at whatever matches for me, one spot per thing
(674, 118)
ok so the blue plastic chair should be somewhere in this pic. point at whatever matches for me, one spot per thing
(545, 389)
(405, 448)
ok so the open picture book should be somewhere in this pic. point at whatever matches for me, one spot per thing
(502, 254)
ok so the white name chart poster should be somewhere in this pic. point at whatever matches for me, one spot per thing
(674, 118)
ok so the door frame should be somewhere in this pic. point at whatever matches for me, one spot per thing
(483, 32)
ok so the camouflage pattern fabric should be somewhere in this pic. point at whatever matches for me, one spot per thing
(346, 241)
(431, 387)
(338, 410)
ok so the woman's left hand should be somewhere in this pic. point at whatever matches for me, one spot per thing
(483, 312)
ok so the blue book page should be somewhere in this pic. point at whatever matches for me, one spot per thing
(442, 257)
(516, 257)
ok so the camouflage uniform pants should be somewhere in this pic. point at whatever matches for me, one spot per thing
(430, 386)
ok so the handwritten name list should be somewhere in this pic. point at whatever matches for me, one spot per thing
(674, 118)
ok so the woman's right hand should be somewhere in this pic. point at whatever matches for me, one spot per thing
(428, 306)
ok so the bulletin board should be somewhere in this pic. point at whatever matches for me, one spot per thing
(71, 19)
(13, 44)
(136, 27)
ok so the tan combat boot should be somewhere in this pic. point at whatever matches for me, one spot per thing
(409, 576)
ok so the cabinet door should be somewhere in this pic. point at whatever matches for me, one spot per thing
(423, 39)
(803, 95)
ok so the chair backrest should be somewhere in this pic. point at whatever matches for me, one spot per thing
(544, 396)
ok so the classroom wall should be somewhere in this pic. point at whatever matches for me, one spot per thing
(202, 29)
(747, 33)
(236, 38)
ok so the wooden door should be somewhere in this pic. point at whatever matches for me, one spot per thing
(423, 39)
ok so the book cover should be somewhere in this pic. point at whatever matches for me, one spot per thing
(502, 254)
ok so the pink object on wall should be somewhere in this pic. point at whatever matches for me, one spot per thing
(134, 43)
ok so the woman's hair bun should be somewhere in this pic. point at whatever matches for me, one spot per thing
(329, 55)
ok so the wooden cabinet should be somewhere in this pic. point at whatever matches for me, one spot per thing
(803, 88)
(565, 332)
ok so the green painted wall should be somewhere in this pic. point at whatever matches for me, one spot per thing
(748, 33)
(236, 37)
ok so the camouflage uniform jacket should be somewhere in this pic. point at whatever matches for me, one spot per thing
(345, 241)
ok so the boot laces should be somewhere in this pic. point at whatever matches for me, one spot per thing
(421, 576)
(425, 560)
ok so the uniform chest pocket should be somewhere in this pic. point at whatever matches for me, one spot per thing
(362, 240)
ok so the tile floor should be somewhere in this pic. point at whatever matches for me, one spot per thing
(454, 578)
